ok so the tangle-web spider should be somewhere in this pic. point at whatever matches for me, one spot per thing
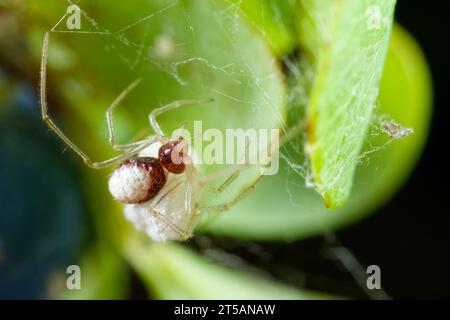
(160, 194)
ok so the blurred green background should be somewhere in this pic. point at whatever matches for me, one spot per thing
(279, 242)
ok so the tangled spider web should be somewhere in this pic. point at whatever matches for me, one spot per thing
(148, 42)
(168, 43)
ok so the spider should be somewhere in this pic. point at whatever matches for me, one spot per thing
(161, 195)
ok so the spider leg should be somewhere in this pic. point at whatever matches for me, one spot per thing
(232, 172)
(229, 204)
(127, 146)
(190, 177)
(157, 215)
(52, 125)
(228, 181)
(213, 209)
(168, 189)
(109, 118)
(235, 171)
(173, 105)
(194, 215)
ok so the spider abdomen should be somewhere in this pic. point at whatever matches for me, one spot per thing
(137, 180)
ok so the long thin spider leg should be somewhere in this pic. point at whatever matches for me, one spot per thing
(190, 173)
(292, 132)
(109, 117)
(169, 189)
(126, 154)
(44, 108)
(194, 214)
(64, 138)
(175, 228)
(127, 146)
(235, 174)
(161, 195)
(228, 181)
(229, 204)
(232, 172)
(214, 209)
(173, 105)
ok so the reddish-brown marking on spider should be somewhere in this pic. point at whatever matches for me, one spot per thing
(171, 156)
(139, 179)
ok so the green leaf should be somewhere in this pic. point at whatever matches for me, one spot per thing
(175, 272)
(282, 208)
(348, 40)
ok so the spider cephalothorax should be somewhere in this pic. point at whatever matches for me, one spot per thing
(171, 156)
(139, 179)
